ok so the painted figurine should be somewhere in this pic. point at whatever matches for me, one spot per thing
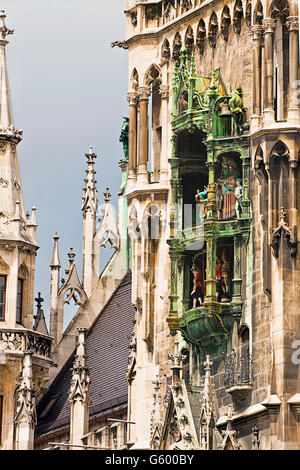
(227, 183)
(219, 278)
(225, 276)
(219, 200)
(201, 198)
(236, 106)
(198, 286)
(238, 197)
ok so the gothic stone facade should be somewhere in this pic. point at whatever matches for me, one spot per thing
(213, 204)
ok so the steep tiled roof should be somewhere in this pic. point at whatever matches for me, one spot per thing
(107, 357)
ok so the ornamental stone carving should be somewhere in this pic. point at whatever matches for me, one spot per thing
(269, 25)
(132, 98)
(10, 131)
(164, 92)
(256, 31)
(24, 394)
(144, 92)
(133, 18)
(292, 23)
(25, 341)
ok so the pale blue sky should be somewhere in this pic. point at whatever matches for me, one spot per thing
(69, 92)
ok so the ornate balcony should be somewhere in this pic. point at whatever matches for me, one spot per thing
(238, 375)
(17, 341)
(208, 328)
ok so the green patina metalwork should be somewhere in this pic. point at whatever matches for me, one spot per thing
(202, 105)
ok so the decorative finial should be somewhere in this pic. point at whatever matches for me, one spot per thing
(39, 300)
(4, 31)
(71, 256)
(208, 364)
(91, 155)
(107, 195)
(55, 263)
(156, 384)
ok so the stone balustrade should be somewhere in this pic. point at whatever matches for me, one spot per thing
(21, 340)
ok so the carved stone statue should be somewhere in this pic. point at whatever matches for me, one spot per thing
(124, 137)
(198, 286)
(238, 197)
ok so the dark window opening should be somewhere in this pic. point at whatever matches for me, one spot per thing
(2, 297)
(19, 301)
(1, 417)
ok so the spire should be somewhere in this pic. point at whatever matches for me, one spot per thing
(207, 390)
(55, 262)
(89, 199)
(90, 257)
(6, 114)
(40, 321)
(107, 230)
(11, 196)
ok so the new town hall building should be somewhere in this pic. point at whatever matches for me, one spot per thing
(190, 337)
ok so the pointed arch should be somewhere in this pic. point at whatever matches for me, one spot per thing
(177, 45)
(4, 268)
(151, 221)
(23, 271)
(280, 149)
(237, 16)
(225, 22)
(279, 179)
(189, 40)
(201, 36)
(258, 14)
(165, 50)
(134, 230)
(279, 8)
(134, 80)
(258, 156)
(153, 75)
(248, 12)
(213, 29)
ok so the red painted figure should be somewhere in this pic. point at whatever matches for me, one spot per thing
(198, 286)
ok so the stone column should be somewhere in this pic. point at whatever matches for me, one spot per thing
(292, 23)
(25, 414)
(269, 27)
(256, 89)
(79, 396)
(164, 93)
(144, 93)
(210, 281)
(132, 99)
